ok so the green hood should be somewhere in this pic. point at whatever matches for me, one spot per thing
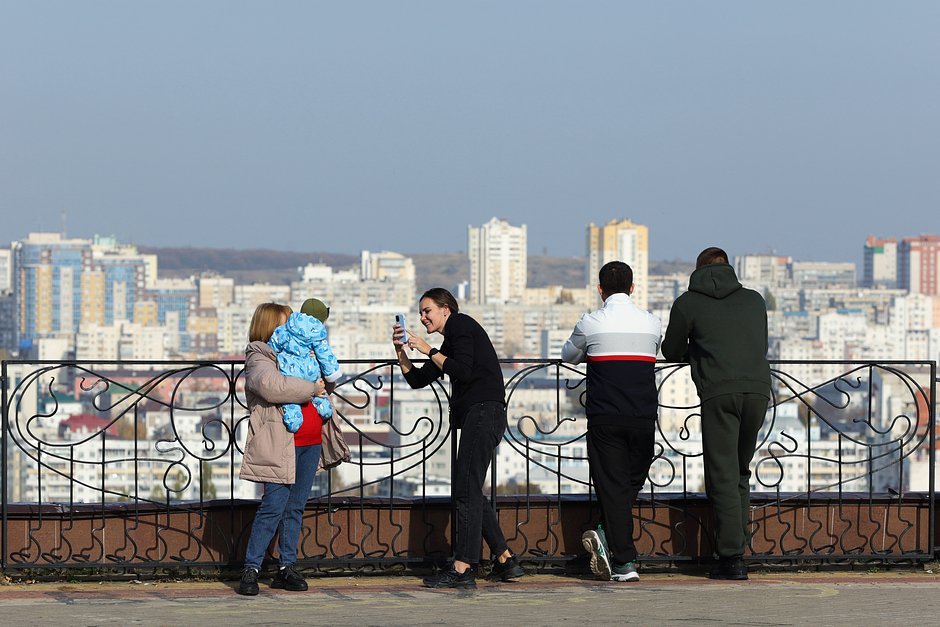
(716, 280)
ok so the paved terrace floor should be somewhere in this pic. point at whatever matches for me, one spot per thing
(901, 598)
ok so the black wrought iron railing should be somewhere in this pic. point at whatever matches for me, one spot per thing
(115, 464)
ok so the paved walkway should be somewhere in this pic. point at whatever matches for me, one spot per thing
(908, 598)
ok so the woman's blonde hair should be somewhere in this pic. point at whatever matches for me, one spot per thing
(266, 318)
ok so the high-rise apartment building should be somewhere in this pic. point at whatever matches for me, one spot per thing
(620, 240)
(47, 271)
(117, 280)
(497, 252)
(63, 283)
(918, 259)
(881, 262)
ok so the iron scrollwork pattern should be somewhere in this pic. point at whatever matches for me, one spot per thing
(136, 464)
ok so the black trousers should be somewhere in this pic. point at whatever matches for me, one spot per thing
(730, 424)
(620, 458)
(482, 431)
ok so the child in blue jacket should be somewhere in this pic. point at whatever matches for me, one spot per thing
(304, 352)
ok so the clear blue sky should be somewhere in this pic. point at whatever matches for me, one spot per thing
(797, 126)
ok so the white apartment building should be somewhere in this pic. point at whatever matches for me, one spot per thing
(880, 262)
(498, 262)
(662, 290)
(808, 274)
(54, 348)
(6, 270)
(386, 266)
(234, 321)
(763, 272)
(121, 341)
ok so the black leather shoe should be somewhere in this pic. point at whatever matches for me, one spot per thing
(249, 583)
(289, 579)
(510, 569)
(450, 578)
(732, 568)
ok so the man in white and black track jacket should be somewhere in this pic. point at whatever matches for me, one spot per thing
(619, 342)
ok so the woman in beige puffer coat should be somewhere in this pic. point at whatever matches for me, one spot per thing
(271, 457)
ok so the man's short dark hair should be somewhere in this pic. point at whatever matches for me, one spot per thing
(711, 255)
(615, 277)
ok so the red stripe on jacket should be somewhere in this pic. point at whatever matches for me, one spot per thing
(620, 358)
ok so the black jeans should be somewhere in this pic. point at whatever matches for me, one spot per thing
(620, 458)
(482, 431)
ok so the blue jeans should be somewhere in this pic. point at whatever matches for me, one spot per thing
(282, 510)
(482, 431)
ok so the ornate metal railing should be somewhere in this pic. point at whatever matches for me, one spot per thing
(135, 464)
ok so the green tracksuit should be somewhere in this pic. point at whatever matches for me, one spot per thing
(720, 329)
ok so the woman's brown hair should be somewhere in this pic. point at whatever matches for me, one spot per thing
(266, 318)
(441, 298)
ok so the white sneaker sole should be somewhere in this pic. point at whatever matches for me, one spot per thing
(626, 577)
(600, 563)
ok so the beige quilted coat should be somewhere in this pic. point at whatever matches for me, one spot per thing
(269, 449)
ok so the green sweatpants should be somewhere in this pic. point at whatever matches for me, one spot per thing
(730, 424)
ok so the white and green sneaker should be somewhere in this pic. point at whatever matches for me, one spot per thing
(595, 543)
(624, 572)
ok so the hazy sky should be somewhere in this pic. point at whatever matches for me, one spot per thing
(799, 127)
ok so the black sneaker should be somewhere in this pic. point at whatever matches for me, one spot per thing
(450, 578)
(732, 568)
(510, 569)
(289, 579)
(249, 583)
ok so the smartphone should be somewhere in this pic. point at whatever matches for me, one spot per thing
(400, 321)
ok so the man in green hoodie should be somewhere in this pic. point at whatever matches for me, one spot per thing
(720, 329)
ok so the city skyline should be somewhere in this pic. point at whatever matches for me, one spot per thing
(103, 302)
(103, 297)
(862, 246)
(796, 129)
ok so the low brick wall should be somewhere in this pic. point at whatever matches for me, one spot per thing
(358, 533)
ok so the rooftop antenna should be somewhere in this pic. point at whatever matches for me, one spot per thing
(62, 217)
